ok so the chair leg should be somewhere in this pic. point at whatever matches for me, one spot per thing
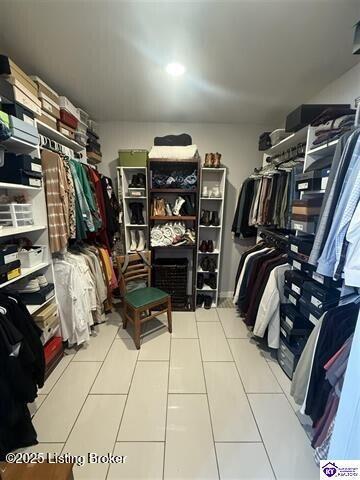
(125, 317)
(169, 315)
(137, 326)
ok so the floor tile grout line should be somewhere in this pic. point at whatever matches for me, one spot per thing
(167, 406)
(127, 397)
(208, 404)
(247, 398)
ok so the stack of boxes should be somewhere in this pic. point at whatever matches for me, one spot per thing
(69, 118)
(50, 109)
(93, 148)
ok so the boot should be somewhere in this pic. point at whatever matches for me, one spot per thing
(215, 219)
(133, 219)
(210, 246)
(203, 246)
(216, 160)
(141, 245)
(168, 209)
(159, 207)
(212, 265)
(200, 281)
(139, 214)
(189, 206)
(178, 204)
(207, 302)
(133, 241)
(205, 191)
(207, 163)
(204, 264)
(134, 182)
(211, 281)
(141, 180)
(199, 300)
(205, 218)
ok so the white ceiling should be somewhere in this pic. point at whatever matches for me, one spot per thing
(247, 61)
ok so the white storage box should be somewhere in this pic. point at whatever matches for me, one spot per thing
(68, 106)
(32, 256)
(16, 214)
(278, 135)
(83, 116)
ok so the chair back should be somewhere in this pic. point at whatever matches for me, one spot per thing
(136, 269)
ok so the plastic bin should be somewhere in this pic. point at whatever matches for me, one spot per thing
(32, 256)
(16, 214)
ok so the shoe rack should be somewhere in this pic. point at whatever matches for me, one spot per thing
(187, 250)
(134, 195)
(210, 231)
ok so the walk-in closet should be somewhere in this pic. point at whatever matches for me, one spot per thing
(179, 240)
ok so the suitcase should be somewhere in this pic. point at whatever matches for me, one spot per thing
(68, 119)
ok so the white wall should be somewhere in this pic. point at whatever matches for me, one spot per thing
(343, 90)
(238, 145)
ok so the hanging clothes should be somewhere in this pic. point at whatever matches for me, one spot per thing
(240, 224)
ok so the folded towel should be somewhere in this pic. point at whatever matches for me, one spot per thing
(173, 153)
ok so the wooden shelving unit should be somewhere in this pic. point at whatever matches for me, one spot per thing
(175, 218)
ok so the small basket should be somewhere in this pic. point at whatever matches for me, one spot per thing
(171, 276)
(32, 256)
(16, 214)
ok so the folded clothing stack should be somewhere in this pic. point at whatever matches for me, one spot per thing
(176, 179)
(331, 124)
(172, 233)
(50, 106)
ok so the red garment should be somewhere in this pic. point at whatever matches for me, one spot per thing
(101, 234)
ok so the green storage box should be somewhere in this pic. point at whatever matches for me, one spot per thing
(133, 158)
(4, 118)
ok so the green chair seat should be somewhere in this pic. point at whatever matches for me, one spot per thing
(144, 296)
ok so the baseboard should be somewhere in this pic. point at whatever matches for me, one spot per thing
(226, 294)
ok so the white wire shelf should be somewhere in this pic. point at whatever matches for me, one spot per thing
(25, 272)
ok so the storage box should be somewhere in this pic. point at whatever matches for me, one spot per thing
(133, 158)
(288, 355)
(83, 117)
(65, 130)
(293, 323)
(52, 349)
(81, 138)
(6, 92)
(68, 119)
(321, 297)
(42, 316)
(23, 131)
(292, 296)
(307, 206)
(301, 244)
(93, 157)
(48, 120)
(309, 311)
(25, 100)
(21, 169)
(37, 298)
(295, 280)
(49, 106)
(4, 118)
(44, 88)
(20, 112)
(305, 114)
(327, 281)
(304, 223)
(68, 106)
(277, 135)
(16, 214)
(9, 68)
(31, 256)
(10, 271)
(8, 254)
(309, 181)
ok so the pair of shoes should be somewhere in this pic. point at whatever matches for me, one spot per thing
(31, 285)
(209, 218)
(138, 181)
(211, 281)
(208, 264)
(204, 299)
(137, 217)
(212, 160)
(207, 246)
(215, 192)
(137, 246)
(188, 207)
(179, 202)
(158, 207)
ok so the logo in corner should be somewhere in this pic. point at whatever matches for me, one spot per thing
(330, 469)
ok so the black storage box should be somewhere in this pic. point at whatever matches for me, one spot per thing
(309, 310)
(322, 298)
(299, 262)
(18, 111)
(6, 93)
(309, 181)
(295, 280)
(289, 353)
(291, 295)
(170, 275)
(294, 320)
(327, 281)
(305, 114)
(21, 169)
(301, 244)
(37, 298)
(10, 271)
(8, 254)
(264, 141)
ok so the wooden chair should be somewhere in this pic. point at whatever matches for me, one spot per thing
(139, 304)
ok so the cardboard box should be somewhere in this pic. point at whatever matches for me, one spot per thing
(26, 101)
(49, 106)
(49, 120)
(45, 89)
(65, 130)
(93, 157)
(9, 68)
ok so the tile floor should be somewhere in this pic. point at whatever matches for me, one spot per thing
(203, 403)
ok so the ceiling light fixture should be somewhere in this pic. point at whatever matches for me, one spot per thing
(175, 69)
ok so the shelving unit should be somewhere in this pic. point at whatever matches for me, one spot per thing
(58, 137)
(210, 178)
(25, 272)
(124, 177)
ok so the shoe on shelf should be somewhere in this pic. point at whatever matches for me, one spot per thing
(168, 209)
(133, 208)
(207, 301)
(141, 244)
(200, 300)
(212, 265)
(208, 160)
(133, 244)
(134, 182)
(159, 208)
(200, 281)
(179, 202)
(189, 205)
(215, 192)
(210, 246)
(211, 281)
(26, 286)
(42, 281)
(139, 215)
(216, 160)
(203, 246)
(205, 191)
(205, 218)
(141, 180)
(214, 220)
(204, 264)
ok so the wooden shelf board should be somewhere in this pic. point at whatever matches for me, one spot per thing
(210, 226)
(175, 246)
(215, 252)
(173, 217)
(173, 190)
(211, 198)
